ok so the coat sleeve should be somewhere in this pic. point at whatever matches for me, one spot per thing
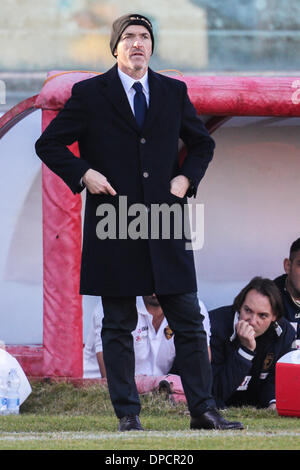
(200, 146)
(230, 365)
(66, 128)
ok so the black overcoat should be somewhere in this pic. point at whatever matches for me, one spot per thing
(139, 164)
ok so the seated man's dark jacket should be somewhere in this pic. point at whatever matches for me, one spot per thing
(233, 364)
(292, 311)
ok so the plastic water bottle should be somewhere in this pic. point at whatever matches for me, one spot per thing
(12, 392)
(3, 395)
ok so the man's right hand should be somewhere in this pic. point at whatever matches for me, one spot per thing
(246, 335)
(97, 183)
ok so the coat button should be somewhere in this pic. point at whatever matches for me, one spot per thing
(143, 141)
(145, 174)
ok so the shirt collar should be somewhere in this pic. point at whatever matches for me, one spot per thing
(235, 320)
(128, 81)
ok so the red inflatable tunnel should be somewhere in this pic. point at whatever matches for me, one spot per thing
(218, 98)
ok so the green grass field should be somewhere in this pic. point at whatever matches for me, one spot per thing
(63, 417)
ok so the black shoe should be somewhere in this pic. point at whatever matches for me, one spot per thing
(130, 423)
(211, 419)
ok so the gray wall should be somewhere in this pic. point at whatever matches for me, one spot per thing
(192, 35)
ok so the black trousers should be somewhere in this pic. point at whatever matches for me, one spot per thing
(183, 315)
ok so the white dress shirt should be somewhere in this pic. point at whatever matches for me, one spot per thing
(127, 83)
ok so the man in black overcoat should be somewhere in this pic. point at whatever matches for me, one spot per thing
(128, 122)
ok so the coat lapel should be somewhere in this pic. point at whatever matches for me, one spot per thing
(111, 86)
(156, 93)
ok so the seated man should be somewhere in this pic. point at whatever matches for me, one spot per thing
(247, 339)
(153, 346)
(289, 286)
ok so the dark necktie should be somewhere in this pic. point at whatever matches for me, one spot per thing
(139, 104)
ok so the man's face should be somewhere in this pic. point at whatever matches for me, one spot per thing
(134, 50)
(257, 311)
(292, 269)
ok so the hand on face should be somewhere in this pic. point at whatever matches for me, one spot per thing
(246, 335)
(255, 317)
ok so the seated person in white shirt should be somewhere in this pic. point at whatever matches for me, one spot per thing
(153, 346)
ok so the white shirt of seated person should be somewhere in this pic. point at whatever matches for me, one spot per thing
(154, 350)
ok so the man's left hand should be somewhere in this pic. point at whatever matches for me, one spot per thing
(179, 185)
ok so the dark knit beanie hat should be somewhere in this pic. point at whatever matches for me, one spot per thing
(121, 24)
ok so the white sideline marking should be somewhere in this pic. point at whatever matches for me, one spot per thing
(31, 436)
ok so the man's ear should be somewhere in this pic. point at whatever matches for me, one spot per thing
(287, 265)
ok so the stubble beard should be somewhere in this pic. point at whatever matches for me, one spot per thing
(293, 290)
